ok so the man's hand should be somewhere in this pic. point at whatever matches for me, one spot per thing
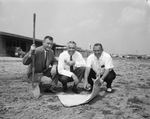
(53, 70)
(32, 48)
(70, 63)
(87, 86)
(98, 74)
(101, 80)
(98, 81)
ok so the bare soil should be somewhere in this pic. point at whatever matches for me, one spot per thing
(130, 98)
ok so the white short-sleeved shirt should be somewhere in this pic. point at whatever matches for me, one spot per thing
(63, 68)
(104, 61)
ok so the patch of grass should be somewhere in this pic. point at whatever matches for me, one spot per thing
(106, 112)
(135, 106)
(135, 100)
(119, 113)
(148, 79)
(52, 99)
(117, 85)
(143, 86)
(121, 82)
(87, 107)
(54, 107)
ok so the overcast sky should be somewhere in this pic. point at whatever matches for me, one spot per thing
(122, 26)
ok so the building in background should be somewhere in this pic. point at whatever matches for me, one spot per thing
(85, 53)
(14, 45)
(17, 45)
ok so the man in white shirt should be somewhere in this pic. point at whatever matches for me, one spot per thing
(100, 66)
(71, 67)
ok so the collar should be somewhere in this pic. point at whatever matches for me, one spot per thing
(72, 55)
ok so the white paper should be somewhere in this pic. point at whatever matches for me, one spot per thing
(78, 99)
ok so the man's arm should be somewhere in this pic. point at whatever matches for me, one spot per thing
(80, 61)
(108, 67)
(86, 74)
(27, 59)
(106, 72)
(61, 69)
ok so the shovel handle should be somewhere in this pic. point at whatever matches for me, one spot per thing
(33, 58)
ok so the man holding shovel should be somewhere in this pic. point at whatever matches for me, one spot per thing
(45, 66)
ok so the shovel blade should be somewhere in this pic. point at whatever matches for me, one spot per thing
(36, 91)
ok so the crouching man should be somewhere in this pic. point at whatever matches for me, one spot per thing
(71, 67)
(45, 70)
(99, 66)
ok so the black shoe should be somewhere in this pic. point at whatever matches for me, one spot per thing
(49, 91)
(65, 87)
(75, 90)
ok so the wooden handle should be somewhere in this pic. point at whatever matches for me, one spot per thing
(34, 20)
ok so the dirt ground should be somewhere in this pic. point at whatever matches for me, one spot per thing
(130, 98)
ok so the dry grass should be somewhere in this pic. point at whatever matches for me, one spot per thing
(129, 100)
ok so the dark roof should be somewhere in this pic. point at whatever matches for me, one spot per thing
(17, 36)
(24, 37)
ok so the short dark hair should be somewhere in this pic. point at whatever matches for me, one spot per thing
(98, 44)
(71, 42)
(48, 37)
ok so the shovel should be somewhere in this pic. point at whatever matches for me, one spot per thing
(35, 86)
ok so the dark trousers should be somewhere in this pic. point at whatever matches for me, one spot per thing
(46, 73)
(109, 79)
(79, 72)
(54, 78)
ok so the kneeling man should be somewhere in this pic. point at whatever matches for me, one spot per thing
(71, 67)
(45, 64)
(100, 66)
